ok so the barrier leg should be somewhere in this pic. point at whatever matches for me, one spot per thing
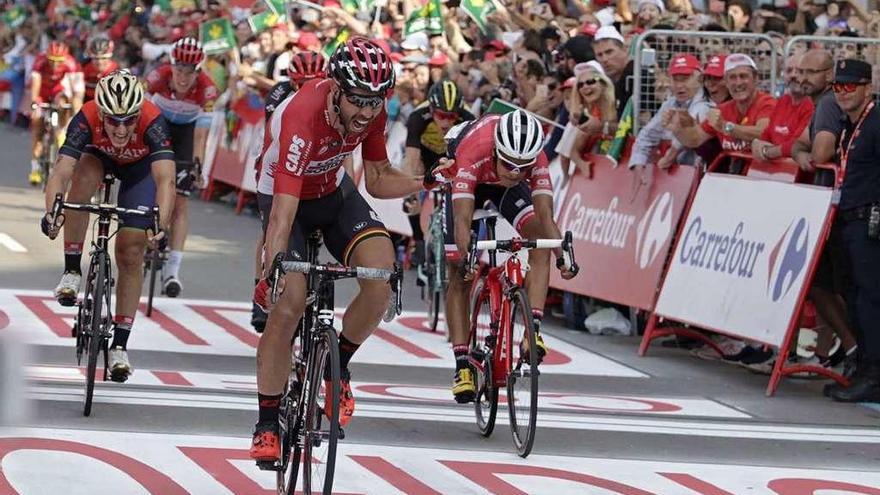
(209, 191)
(648, 337)
(239, 205)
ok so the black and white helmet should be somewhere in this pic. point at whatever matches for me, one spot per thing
(519, 137)
(119, 93)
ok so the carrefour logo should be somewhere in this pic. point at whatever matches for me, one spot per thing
(788, 259)
(723, 252)
(654, 230)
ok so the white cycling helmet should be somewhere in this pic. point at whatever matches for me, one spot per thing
(519, 138)
(119, 93)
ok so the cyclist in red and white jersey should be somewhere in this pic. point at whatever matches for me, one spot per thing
(497, 159)
(307, 139)
(100, 64)
(304, 66)
(184, 94)
(56, 78)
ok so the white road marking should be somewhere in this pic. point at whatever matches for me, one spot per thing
(108, 394)
(11, 244)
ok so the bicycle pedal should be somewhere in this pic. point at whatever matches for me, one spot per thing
(269, 465)
(67, 301)
(341, 433)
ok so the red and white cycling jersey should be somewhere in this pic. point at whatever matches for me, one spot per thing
(92, 75)
(475, 163)
(201, 96)
(303, 153)
(56, 79)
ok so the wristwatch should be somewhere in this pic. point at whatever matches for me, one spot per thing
(728, 128)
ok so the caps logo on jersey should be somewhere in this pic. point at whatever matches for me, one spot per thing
(294, 154)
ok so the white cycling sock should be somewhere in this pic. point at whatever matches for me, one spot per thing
(172, 266)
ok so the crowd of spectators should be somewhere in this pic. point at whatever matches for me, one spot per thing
(574, 63)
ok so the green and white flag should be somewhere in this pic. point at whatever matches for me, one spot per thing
(217, 36)
(340, 38)
(278, 7)
(15, 16)
(428, 18)
(479, 11)
(265, 20)
(614, 148)
(499, 107)
(355, 6)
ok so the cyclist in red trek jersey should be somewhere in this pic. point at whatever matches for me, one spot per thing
(56, 78)
(497, 159)
(100, 64)
(121, 133)
(306, 141)
(184, 94)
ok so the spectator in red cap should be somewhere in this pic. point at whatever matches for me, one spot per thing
(713, 80)
(687, 96)
(437, 66)
(308, 41)
(790, 117)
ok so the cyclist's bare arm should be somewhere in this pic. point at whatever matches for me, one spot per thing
(36, 82)
(78, 83)
(164, 174)
(386, 182)
(463, 214)
(60, 178)
(543, 204)
(412, 161)
(284, 207)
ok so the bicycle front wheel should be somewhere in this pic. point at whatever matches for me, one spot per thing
(320, 433)
(522, 378)
(481, 352)
(95, 328)
(153, 257)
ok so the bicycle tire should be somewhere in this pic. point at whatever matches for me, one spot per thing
(325, 349)
(95, 330)
(522, 428)
(154, 269)
(486, 398)
(290, 424)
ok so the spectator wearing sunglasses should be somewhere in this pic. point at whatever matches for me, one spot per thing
(591, 107)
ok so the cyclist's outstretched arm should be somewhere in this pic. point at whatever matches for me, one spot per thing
(543, 204)
(164, 174)
(412, 162)
(386, 182)
(60, 178)
(284, 207)
(36, 82)
(463, 214)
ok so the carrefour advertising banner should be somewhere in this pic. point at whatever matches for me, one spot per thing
(743, 256)
(622, 233)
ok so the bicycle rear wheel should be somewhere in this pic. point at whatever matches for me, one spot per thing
(153, 257)
(291, 450)
(481, 343)
(321, 434)
(95, 328)
(522, 378)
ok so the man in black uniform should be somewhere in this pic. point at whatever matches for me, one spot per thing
(859, 217)
(425, 129)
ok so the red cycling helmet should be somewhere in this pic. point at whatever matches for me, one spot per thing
(362, 64)
(306, 65)
(187, 51)
(57, 51)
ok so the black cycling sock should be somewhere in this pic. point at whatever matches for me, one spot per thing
(121, 332)
(73, 257)
(461, 356)
(268, 407)
(256, 282)
(415, 222)
(538, 318)
(347, 349)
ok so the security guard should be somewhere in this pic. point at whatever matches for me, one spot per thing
(859, 216)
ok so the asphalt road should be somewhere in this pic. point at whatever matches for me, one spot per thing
(610, 421)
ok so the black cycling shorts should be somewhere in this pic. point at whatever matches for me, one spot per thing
(137, 189)
(514, 204)
(183, 145)
(344, 218)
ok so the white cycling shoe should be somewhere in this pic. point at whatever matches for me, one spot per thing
(172, 287)
(68, 288)
(120, 367)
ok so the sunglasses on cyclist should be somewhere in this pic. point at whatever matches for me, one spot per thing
(127, 121)
(441, 115)
(588, 82)
(360, 101)
(847, 87)
(515, 165)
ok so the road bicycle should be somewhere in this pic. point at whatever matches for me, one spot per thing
(51, 122)
(93, 324)
(433, 271)
(502, 334)
(307, 436)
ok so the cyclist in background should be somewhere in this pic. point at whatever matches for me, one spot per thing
(56, 78)
(425, 129)
(100, 64)
(303, 67)
(498, 159)
(121, 133)
(184, 94)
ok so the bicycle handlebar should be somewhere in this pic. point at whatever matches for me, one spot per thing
(51, 106)
(516, 244)
(107, 210)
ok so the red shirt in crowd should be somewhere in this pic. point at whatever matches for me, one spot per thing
(787, 122)
(761, 108)
(52, 76)
(92, 75)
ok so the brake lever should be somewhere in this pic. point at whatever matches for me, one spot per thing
(57, 211)
(274, 275)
